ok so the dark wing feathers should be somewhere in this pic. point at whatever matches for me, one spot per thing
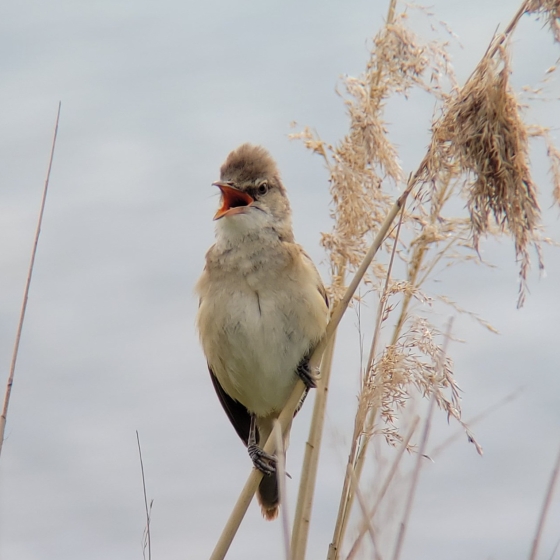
(238, 415)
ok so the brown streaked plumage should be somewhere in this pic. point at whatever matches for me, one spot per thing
(263, 308)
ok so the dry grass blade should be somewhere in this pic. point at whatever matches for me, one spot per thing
(544, 511)
(554, 550)
(281, 474)
(10, 382)
(415, 477)
(148, 537)
(367, 519)
(474, 420)
(302, 518)
(364, 421)
(421, 454)
(370, 370)
(385, 486)
(382, 308)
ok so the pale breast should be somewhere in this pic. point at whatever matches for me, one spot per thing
(255, 330)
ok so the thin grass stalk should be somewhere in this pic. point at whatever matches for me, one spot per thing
(436, 260)
(281, 473)
(475, 420)
(544, 510)
(302, 518)
(147, 510)
(334, 546)
(10, 382)
(286, 416)
(421, 454)
(417, 260)
(357, 452)
(415, 477)
(383, 301)
(368, 521)
(554, 550)
(364, 442)
(498, 41)
(385, 486)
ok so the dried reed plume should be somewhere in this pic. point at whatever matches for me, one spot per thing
(365, 156)
(482, 136)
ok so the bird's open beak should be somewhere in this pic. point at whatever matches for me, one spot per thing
(234, 201)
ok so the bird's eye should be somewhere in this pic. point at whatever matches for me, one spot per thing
(262, 188)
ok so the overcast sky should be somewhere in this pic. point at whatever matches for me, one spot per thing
(154, 95)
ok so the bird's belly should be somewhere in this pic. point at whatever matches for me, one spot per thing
(257, 345)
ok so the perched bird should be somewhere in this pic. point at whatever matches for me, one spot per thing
(263, 307)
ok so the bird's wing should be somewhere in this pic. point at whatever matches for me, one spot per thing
(238, 415)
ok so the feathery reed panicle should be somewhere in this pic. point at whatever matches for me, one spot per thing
(365, 157)
(416, 360)
(481, 134)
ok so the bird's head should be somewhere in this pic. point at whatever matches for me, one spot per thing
(253, 196)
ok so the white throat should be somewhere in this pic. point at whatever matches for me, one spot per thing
(233, 230)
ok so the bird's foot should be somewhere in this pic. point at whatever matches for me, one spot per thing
(261, 460)
(308, 377)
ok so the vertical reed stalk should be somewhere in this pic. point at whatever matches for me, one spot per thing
(304, 505)
(362, 433)
(544, 510)
(10, 382)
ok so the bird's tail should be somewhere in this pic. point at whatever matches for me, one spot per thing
(268, 496)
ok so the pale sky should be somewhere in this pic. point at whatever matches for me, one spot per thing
(154, 96)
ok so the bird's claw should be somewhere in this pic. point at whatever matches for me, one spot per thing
(308, 377)
(261, 460)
